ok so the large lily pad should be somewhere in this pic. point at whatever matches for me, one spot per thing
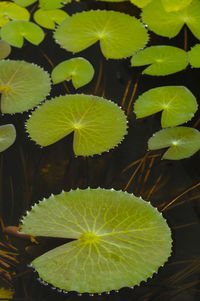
(194, 56)
(5, 49)
(22, 85)
(7, 136)
(78, 69)
(120, 35)
(183, 142)
(119, 239)
(98, 124)
(177, 103)
(175, 5)
(11, 11)
(49, 18)
(164, 60)
(169, 24)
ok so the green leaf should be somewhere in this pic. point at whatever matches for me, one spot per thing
(183, 142)
(168, 24)
(177, 103)
(140, 3)
(49, 18)
(5, 49)
(164, 60)
(7, 136)
(11, 11)
(53, 4)
(78, 69)
(14, 33)
(194, 56)
(23, 86)
(119, 239)
(120, 35)
(24, 3)
(98, 124)
(175, 5)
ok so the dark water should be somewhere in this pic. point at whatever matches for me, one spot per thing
(29, 173)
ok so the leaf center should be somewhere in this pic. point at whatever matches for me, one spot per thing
(89, 237)
(4, 89)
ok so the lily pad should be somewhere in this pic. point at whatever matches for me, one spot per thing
(23, 85)
(164, 60)
(120, 35)
(175, 5)
(168, 24)
(98, 124)
(53, 4)
(118, 239)
(5, 49)
(78, 69)
(140, 3)
(183, 142)
(24, 3)
(7, 136)
(177, 103)
(49, 18)
(11, 11)
(194, 56)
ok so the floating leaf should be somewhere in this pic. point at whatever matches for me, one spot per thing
(6, 293)
(49, 18)
(53, 4)
(11, 11)
(119, 239)
(168, 24)
(183, 142)
(177, 103)
(194, 56)
(7, 136)
(5, 49)
(164, 60)
(24, 3)
(140, 3)
(98, 124)
(120, 35)
(14, 33)
(175, 5)
(78, 69)
(23, 86)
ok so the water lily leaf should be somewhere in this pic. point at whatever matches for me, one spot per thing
(6, 293)
(24, 3)
(177, 103)
(49, 18)
(11, 11)
(14, 33)
(23, 86)
(175, 5)
(168, 24)
(5, 49)
(164, 60)
(183, 142)
(98, 124)
(7, 136)
(120, 35)
(194, 56)
(140, 3)
(53, 4)
(78, 69)
(119, 239)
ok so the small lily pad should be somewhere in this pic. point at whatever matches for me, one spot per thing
(169, 24)
(118, 239)
(98, 124)
(194, 56)
(78, 69)
(164, 60)
(7, 136)
(120, 35)
(11, 11)
(140, 3)
(175, 5)
(22, 85)
(5, 49)
(182, 141)
(53, 4)
(177, 103)
(24, 3)
(49, 18)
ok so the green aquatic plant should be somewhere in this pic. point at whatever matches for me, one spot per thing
(6, 293)
(118, 239)
(194, 56)
(24, 3)
(11, 11)
(98, 124)
(175, 5)
(44, 4)
(78, 69)
(120, 35)
(49, 18)
(177, 103)
(182, 141)
(5, 49)
(163, 60)
(22, 85)
(7, 136)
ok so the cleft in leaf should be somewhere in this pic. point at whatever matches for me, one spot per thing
(98, 124)
(175, 5)
(24, 3)
(14, 33)
(78, 69)
(177, 103)
(5, 49)
(22, 85)
(7, 136)
(164, 60)
(194, 56)
(120, 35)
(183, 142)
(11, 11)
(168, 24)
(118, 239)
(49, 18)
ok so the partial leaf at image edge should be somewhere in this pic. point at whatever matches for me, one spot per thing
(7, 136)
